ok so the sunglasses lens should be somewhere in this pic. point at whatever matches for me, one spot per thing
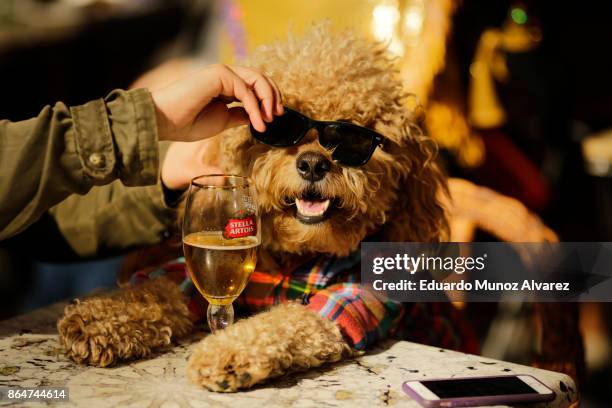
(284, 131)
(352, 146)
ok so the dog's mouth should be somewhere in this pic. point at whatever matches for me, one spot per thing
(312, 208)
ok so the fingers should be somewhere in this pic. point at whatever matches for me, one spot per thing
(265, 89)
(233, 86)
(278, 105)
(279, 99)
(216, 118)
(261, 86)
(191, 102)
(259, 95)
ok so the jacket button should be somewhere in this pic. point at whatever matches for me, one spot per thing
(97, 160)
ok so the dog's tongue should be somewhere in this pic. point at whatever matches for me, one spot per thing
(311, 207)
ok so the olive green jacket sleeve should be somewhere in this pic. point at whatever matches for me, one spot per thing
(114, 218)
(65, 151)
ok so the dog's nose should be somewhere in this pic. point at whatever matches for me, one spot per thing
(312, 166)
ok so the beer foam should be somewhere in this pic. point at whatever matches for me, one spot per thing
(216, 241)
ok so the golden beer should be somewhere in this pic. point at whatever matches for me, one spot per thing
(220, 267)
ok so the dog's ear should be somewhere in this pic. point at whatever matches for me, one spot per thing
(419, 214)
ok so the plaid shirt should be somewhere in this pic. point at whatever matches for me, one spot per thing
(330, 286)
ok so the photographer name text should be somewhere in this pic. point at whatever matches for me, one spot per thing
(477, 285)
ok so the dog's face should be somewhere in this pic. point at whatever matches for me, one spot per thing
(308, 202)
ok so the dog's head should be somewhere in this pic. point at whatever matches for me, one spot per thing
(308, 202)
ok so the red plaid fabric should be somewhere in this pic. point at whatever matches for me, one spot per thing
(330, 286)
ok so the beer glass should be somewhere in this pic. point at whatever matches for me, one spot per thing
(221, 232)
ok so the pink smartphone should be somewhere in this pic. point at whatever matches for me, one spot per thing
(478, 391)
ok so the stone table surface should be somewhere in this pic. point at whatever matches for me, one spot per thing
(30, 356)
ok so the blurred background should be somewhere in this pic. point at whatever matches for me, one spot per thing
(517, 94)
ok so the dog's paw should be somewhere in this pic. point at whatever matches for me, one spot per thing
(227, 367)
(287, 338)
(103, 330)
(104, 338)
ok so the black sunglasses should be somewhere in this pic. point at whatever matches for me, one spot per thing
(352, 145)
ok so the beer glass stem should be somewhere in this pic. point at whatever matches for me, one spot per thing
(219, 317)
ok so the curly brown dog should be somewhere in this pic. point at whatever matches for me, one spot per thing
(397, 195)
(326, 76)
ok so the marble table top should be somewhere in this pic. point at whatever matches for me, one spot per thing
(30, 356)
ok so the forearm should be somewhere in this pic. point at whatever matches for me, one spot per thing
(65, 151)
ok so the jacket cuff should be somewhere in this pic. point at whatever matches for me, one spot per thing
(94, 142)
(132, 121)
(117, 138)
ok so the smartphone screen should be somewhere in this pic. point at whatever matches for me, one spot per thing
(478, 387)
(468, 391)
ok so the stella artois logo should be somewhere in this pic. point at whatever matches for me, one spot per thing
(242, 225)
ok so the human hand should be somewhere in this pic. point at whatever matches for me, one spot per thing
(195, 107)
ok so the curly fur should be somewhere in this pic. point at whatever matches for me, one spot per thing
(104, 329)
(332, 76)
(326, 76)
(287, 338)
